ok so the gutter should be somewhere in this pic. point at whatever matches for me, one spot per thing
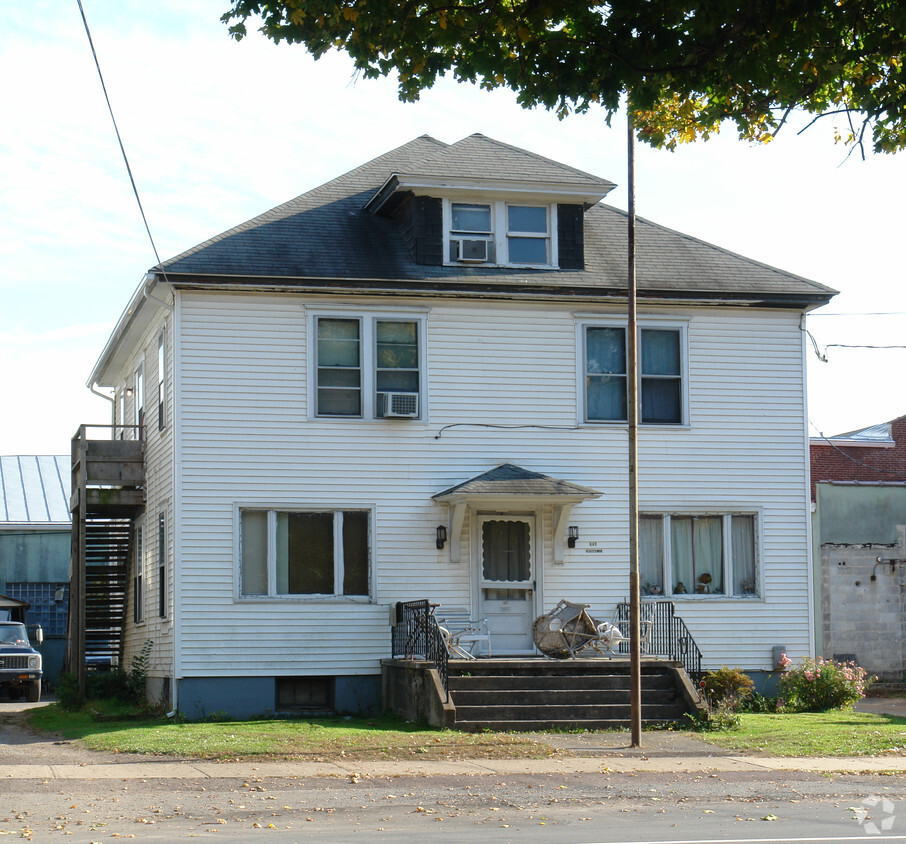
(480, 289)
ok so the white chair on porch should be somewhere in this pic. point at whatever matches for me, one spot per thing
(463, 634)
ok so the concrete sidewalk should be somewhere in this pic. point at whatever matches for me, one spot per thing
(635, 762)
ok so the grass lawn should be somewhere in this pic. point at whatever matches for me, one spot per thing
(843, 733)
(318, 739)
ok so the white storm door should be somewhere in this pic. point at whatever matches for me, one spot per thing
(506, 581)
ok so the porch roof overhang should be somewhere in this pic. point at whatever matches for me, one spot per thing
(509, 487)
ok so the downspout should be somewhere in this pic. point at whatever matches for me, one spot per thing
(112, 400)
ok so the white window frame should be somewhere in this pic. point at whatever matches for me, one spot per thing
(162, 380)
(368, 359)
(679, 325)
(500, 232)
(726, 515)
(272, 594)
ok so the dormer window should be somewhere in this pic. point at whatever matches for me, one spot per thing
(471, 233)
(500, 234)
(528, 234)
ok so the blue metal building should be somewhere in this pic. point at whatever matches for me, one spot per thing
(35, 545)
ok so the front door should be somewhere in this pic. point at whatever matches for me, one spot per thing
(506, 581)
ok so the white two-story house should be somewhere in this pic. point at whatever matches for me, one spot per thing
(410, 383)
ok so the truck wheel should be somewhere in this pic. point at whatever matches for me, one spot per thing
(33, 695)
(14, 693)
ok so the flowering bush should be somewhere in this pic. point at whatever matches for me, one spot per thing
(816, 685)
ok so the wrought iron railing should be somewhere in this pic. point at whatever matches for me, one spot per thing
(415, 635)
(669, 636)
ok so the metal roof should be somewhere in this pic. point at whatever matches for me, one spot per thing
(879, 433)
(34, 489)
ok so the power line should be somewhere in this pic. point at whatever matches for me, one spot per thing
(116, 129)
(855, 346)
(850, 457)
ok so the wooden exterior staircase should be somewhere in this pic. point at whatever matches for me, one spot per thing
(108, 478)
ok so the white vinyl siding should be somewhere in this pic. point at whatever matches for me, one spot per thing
(503, 378)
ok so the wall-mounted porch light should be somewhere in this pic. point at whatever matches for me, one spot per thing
(59, 595)
(441, 536)
(129, 392)
(572, 536)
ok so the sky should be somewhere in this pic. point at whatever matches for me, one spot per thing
(218, 131)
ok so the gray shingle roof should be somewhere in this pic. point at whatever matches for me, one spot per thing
(509, 480)
(327, 234)
(34, 489)
(478, 155)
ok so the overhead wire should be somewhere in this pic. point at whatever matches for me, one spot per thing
(834, 446)
(116, 129)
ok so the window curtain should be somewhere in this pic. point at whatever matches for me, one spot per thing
(505, 551)
(696, 543)
(605, 367)
(660, 376)
(742, 542)
(651, 555)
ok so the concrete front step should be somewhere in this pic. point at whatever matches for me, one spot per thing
(561, 714)
(577, 682)
(550, 697)
(535, 726)
(520, 694)
(545, 667)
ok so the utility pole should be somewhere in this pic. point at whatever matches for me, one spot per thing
(632, 417)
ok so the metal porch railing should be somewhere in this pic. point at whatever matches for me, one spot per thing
(415, 635)
(669, 636)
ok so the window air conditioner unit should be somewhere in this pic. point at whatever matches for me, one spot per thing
(397, 405)
(471, 250)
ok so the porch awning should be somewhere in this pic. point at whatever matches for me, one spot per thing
(513, 486)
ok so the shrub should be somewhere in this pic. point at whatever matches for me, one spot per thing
(816, 685)
(115, 684)
(728, 686)
(67, 692)
(760, 703)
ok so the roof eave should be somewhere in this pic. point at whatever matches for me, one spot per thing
(485, 287)
(564, 191)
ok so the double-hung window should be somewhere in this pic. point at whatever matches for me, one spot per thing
(698, 554)
(286, 553)
(499, 233)
(368, 367)
(661, 374)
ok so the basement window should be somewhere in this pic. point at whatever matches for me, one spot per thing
(304, 694)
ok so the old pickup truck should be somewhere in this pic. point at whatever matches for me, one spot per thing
(20, 663)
